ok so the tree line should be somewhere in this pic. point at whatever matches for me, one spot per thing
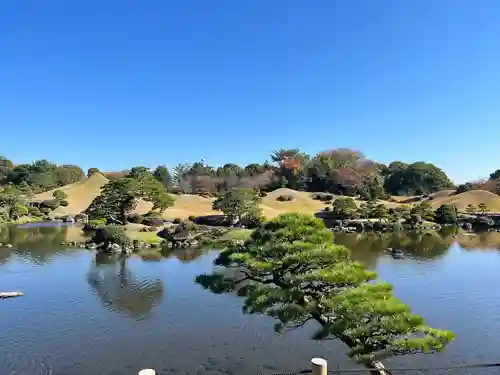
(338, 171)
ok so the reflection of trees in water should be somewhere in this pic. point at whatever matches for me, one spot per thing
(480, 241)
(34, 244)
(367, 247)
(120, 290)
(185, 255)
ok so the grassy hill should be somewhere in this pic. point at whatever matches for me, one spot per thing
(81, 194)
(474, 197)
(185, 205)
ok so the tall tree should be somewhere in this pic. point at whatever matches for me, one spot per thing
(344, 208)
(291, 164)
(238, 203)
(291, 270)
(415, 179)
(117, 199)
(91, 171)
(162, 175)
(495, 175)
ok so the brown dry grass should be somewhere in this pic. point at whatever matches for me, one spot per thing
(185, 205)
(474, 197)
(80, 194)
(416, 198)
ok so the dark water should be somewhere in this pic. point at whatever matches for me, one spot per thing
(83, 315)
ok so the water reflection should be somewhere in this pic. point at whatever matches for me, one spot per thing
(368, 247)
(184, 255)
(120, 290)
(36, 244)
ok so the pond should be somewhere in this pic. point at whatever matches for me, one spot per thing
(88, 315)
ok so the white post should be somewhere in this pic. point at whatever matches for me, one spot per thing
(319, 366)
(147, 371)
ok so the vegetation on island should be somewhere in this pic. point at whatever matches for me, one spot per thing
(291, 270)
(341, 182)
(119, 197)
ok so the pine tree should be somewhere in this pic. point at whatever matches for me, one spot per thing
(291, 270)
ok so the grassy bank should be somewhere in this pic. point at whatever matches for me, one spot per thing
(236, 235)
(147, 237)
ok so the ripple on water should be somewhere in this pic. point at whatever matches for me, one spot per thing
(21, 363)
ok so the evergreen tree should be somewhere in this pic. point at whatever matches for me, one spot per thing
(291, 270)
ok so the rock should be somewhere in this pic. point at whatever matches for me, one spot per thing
(165, 234)
(91, 245)
(138, 245)
(152, 222)
(467, 226)
(484, 222)
(338, 223)
(155, 245)
(81, 218)
(213, 220)
(68, 219)
(62, 243)
(8, 246)
(114, 248)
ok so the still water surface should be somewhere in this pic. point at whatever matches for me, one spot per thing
(83, 315)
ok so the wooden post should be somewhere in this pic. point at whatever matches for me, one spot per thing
(147, 371)
(319, 366)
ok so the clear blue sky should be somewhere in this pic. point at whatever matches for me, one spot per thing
(115, 83)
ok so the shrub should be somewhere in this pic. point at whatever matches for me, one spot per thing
(192, 218)
(4, 215)
(51, 204)
(446, 214)
(34, 211)
(96, 223)
(285, 198)
(189, 225)
(177, 220)
(262, 194)
(80, 218)
(251, 221)
(111, 234)
(136, 219)
(327, 209)
(463, 188)
(45, 210)
(414, 219)
(324, 197)
(345, 208)
(59, 195)
(63, 203)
